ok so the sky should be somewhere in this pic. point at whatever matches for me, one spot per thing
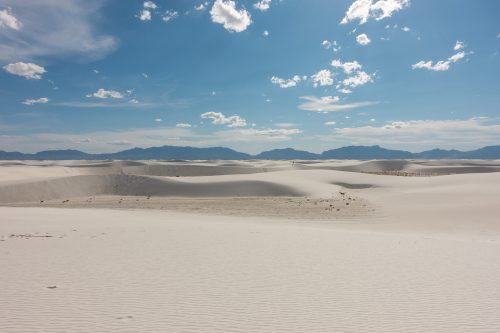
(252, 75)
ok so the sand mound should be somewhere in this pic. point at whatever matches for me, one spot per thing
(130, 185)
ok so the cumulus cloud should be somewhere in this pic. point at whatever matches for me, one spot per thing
(329, 104)
(42, 100)
(235, 20)
(55, 28)
(363, 39)
(158, 120)
(458, 45)
(322, 78)
(183, 125)
(330, 123)
(202, 6)
(144, 15)
(442, 65)
(284, 83)
(262, 5)
(103, 94)
(8, 20)
(150, 5)
(359, 79)
(406, 29)
(170, 15)
(362, 10)
(348, 67)
(27, 70)
(265, 33)
(220, 119)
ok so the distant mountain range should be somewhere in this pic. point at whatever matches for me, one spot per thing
(221, 153)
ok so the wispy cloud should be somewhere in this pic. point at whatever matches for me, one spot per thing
(442, 65)
(329, 104)
(418, 134)
(103, 94)
(56, 28)
(8, 20)
(42, 100)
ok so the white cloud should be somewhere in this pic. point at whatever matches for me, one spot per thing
(472, 132)
(201, 6)
(220, 119)
(144, 15)
(283, 83)
(252, 134)
(56, 28)
(8, 20)
(359, 9)
(347, 67)
(285, 125)
(437, 67)
(322, 78)
(262, 5)
(102, 93)
(183, 125)
(458, 45)
(362, 10)
(27, 70)
(406, 29)
(134, 101)
(457, 56)
(326, 44)
(333, 45)
(158, 120)
(42, 100)
(170, 15)
(329, 104)
(363, 39)
(224, 12)
(150, 5)
(265, 33)
(361, 78)
(442, 65)
(384, 8)
(330, 123)
(345, 90)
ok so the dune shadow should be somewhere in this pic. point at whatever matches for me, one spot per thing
(354, 186)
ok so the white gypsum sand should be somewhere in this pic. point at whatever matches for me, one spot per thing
(255, 246)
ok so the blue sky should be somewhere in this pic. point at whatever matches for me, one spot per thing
(103, 76)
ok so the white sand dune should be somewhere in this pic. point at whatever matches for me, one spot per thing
(250, 246)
